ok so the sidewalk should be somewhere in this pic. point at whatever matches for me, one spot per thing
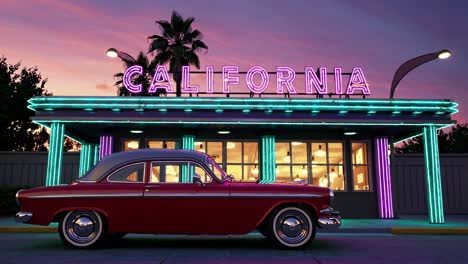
(406, 224)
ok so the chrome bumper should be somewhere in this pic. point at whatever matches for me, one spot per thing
(23, 217)
(329, 218)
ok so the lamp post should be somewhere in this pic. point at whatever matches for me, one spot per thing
(408, 66)
(114, 53)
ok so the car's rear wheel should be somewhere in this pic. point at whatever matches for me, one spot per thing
(81, 229)
(292, 227)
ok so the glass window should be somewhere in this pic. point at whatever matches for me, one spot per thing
(359, 153)
(319, 175)
(215, 150)
(200, 146)
(196, 169)
(172, 172)
(159, 144)
(360, 166)
(336, 177)
(283, 173)
(169, 172)
(131, 173)
(251, 172)
(283, 153)
(131, 144)
(234, 152)
(242, 160)
(361, 178)
(319, 153)
(300, 173)
(235, 171)
(298, 152)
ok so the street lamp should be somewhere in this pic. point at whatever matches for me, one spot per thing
(114, 53)
(408, 66)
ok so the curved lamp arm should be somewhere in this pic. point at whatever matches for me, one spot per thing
(408, 66)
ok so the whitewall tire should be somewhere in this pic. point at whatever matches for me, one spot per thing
(81, 229)
(292, 227)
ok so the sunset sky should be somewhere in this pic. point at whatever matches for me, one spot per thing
(67, 40)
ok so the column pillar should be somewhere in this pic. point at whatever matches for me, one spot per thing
(435, 204)
(106, 144)
(384, 179)
(55, 156)
(268, 169)
(188, 142)
(88, 157)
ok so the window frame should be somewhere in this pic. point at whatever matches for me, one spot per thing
(208, 171)
(125, 166)
(369, 165)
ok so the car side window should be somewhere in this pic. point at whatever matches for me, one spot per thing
(176, 172)
(130, 173)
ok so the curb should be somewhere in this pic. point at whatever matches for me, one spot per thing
(429, 231)
(28, 229)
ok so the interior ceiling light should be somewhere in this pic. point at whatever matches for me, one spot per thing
(320, 152)
(136, 131)
(224, 132)
(230, 145)
(296, 143)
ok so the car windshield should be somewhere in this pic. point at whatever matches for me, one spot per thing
(214, 167)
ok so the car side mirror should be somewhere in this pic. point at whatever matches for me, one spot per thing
(196, 179)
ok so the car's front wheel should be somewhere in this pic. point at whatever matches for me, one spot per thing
(81, 229)
(292, 227)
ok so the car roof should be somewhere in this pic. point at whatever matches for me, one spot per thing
(120, 158)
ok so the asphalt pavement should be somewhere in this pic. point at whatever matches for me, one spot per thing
(327, 248)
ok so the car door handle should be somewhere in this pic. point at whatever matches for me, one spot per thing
(148, 188)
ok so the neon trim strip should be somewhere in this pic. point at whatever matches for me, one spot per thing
(188, 142)
(384, 180)
(38, 121)
(55, 156)
(433, 178)
(268, 160)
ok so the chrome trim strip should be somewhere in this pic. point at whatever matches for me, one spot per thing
(86, 195)
(188, 194)
(277, 195)
(183, 195)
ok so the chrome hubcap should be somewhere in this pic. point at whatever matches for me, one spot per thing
(292, 227)
(82, 227)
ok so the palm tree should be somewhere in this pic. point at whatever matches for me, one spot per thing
(178, 45)
(144, 79)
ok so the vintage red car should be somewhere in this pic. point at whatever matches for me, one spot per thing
(175, 192)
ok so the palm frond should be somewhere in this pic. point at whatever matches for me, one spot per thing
(198, 45)
(192, 58)
(159, 44)
(167, 30)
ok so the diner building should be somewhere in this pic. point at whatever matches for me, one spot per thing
(341, 143)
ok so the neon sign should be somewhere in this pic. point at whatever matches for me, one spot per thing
(315, 81)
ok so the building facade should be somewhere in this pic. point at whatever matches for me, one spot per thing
(343, 144)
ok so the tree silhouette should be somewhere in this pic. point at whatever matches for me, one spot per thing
(178, 45)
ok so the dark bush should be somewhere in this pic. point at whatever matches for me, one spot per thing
(8, 204)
